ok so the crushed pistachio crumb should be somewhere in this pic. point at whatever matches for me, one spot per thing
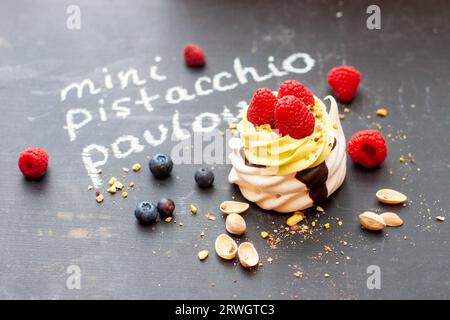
(382, 112)
(209, 216)
(202, 255)
(264, 234)
(99, 198)
(193, 209)
(136, 167)
(118, 185)
(112, 189)
(297, 217)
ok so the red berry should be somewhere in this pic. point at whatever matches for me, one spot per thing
(194, 56)
(367, 148)
(295, 88)
(33, 162)
(344, 81)
(262, 107)
(293, 118)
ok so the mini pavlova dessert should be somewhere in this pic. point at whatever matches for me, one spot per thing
(290, 152)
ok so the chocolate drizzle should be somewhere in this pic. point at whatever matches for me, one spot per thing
(315, 180)
(248, 163)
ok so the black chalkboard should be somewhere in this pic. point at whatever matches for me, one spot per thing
(46, 226)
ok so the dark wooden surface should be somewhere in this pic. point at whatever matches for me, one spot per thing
(47, 225)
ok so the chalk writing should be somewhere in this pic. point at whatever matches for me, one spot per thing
(94, 155)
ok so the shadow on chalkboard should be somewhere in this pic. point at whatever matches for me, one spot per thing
(205, 191)
(163, 181)
(372, 175)
(196, 70)
(355, 100)
(36, 186)
(149, 228)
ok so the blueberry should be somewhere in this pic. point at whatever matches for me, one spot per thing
(146, 213)
(166, 207)
(161, 165)
(204, 177)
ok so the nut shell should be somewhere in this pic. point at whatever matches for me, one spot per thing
(248, 256)
(235, 224)
(372, 221)
(228, 207)
(390, 196)
(392, 219)
(226, 247)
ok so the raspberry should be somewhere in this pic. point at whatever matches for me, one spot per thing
(295, 88)
(33, 162)
(194, 56)
(262, 107)
(293, 118)
(344, 81)
(367, 148)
